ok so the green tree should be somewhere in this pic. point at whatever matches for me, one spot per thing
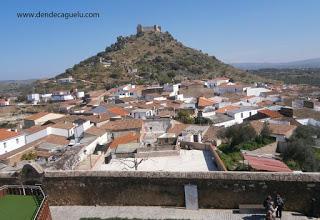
(185, 117)
(300, 150)
(29, 156)
(265, 132)
(240, 133)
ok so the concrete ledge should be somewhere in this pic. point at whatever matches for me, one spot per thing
(219, 175)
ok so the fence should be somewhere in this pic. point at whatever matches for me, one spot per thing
(43, 212)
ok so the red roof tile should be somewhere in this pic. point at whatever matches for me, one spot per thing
(118, 111)
(266, 164)
(124, 139)
(36, 116)
(227, 108)
(270, 113)
(123, 125)
(203, 102)
(5, 134)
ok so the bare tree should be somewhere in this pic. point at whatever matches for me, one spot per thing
(131, 163)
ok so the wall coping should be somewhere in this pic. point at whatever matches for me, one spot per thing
(215, 175)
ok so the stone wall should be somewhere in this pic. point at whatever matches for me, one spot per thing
(216, 189)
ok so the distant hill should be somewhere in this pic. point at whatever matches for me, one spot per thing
(309, 76)
(146, 57)
(301, 64)
(16, 87)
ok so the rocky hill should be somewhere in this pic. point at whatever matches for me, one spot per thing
(147, 57)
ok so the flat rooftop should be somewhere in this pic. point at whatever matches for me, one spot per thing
(187, 161)
(18, 207)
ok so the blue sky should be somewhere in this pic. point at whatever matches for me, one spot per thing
(232, 30)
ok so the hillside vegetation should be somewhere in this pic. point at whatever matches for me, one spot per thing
(291, 76)
(147, 58)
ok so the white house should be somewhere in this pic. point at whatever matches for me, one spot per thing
(46, 97)
(4, 102)
(124, 91)
(40, 118)
(64, 129)
(309, 121)
(66, 80)
(10, 140)
(33, 98)
(193, 133)
(141, 113)
(173, 89)
(207, 111)
(242, 113)
(256, 91)
(216, 82)
(61, 96)
(228, 88)
(103, 136)
(105, 63)
(80, 94)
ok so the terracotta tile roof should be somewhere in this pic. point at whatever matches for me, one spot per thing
(5, 134)
(227, 108)
(177, 128)
(55, 139)
(98, 118)
(35, 129)
(203, 102)
(119, 125)
(62, 125)
(37, 116)
(280, 129)
(124, 139)
(95, 131)
(266, 164)
(67, 118)
(270, 113)
(265, 103)
(211, 134)
(118, 111)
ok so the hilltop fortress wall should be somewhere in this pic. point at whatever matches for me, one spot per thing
(215, 189)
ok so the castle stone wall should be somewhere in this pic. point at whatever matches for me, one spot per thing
(216, 189)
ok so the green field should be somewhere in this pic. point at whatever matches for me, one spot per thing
(14, 207)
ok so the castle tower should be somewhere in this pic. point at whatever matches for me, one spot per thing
(142, 29)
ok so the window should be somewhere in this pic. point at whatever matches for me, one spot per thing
(17, 140)
(4, 144)
(250, 114)
(241, 115)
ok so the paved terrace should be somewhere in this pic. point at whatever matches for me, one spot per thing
(187, 161)
(156, 212)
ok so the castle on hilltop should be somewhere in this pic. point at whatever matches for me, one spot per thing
(142, 29)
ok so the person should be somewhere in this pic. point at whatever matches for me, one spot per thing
(272, 210)
(269, 215)
(266, 202)
(279, 204)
